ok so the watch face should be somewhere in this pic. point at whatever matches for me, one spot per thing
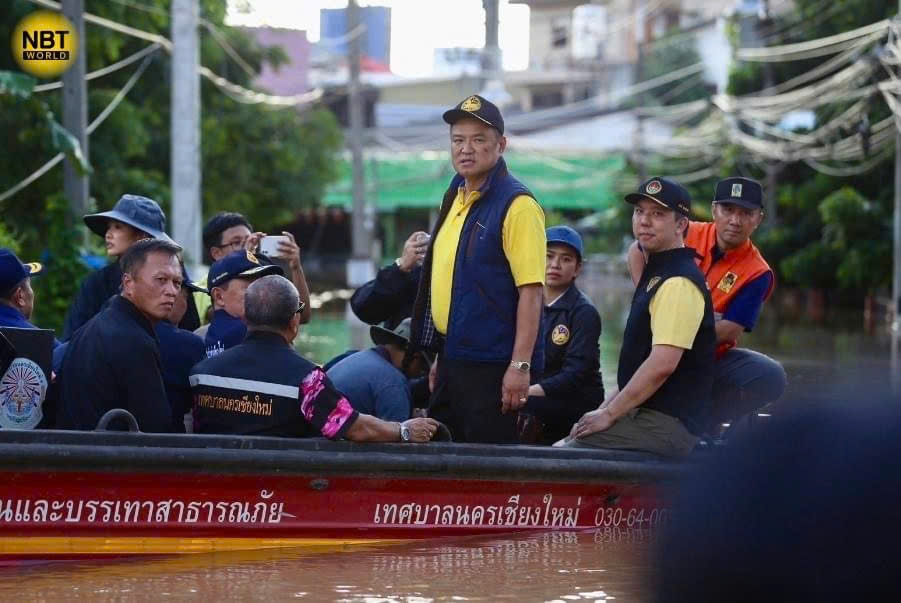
(404, 433)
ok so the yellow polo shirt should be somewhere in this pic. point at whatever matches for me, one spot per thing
(524, 240)
(677, 310)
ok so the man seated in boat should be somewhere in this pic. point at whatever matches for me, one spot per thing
(264, 387)
(113, 361)
(571, 384)
(16, 294)
(376, 381)
(740, 282)
(665, 372)
(227, 232)
(228, 280)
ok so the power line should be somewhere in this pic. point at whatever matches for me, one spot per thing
(133, 58)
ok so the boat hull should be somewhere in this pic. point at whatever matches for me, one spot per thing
(69, 495)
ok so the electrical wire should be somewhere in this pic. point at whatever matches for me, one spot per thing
(93, 75)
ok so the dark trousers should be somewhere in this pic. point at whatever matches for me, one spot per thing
(467, 398)
(558, 415)
(743, 381)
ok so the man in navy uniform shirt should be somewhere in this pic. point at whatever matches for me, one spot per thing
(228, 281)
(571, 384)
(16, 294)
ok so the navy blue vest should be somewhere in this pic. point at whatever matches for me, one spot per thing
(686, 394)
(484, 297)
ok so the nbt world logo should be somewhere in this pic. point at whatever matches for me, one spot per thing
(44, 44)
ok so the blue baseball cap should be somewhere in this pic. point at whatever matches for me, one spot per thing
(478, 107)
(567, 236)
(239, 264)
(13, 271)
(665, 192)
(136, 211)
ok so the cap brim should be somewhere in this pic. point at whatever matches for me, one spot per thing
(740, 202)
(97, 223)
(562, 242)
(634, 198)
(264, 270)
(194, 287)
(452, 116)
(382, 336)
(33, 268)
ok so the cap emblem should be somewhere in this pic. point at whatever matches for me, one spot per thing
(33, 267)
(736, 190)
(252, 258)
(471, 104)
(653, 187)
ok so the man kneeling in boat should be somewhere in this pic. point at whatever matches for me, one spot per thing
(252, 388)
(665, 373)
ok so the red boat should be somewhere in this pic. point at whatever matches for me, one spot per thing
(79, 494)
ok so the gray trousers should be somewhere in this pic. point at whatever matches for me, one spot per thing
(743, 381)
(644, 430)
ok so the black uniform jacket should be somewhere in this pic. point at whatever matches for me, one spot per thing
(388, 297)
(114, 362)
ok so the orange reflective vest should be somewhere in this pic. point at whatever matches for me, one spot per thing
(726, 277)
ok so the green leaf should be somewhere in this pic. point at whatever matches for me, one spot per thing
(63, 141)
(17, 84)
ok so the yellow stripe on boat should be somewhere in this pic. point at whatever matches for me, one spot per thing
(92, 545)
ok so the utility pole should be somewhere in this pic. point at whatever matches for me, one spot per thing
(75, 114)
(185, 131)
(772, 171)
(640, 39)
(896, 280)
(491, 59)
(359, 268)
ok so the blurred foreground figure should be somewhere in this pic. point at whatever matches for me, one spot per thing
(803, 509)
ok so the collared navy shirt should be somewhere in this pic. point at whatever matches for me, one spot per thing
(113, 361)
(180, 350)
(225, 332)
(10, 317)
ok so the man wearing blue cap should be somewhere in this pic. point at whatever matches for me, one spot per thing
(665, 372)
(16, 294)
(571, 384)
(132, 218)
(228, 280)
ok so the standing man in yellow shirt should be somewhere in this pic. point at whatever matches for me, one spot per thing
(479, 302)
(665, 373)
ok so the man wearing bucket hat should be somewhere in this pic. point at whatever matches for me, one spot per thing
(480, 296)
(132, 218)
(228, 280)
(665, 371)
(571, 384)
(16, 294)
(740, 282)
(376, 380)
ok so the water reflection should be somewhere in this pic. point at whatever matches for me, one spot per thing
(601, 565)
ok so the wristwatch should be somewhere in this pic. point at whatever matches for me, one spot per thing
(521, 365)
(404, 433)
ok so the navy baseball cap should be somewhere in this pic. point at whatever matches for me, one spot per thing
(664, 191)
(739, 191)
(478, 107)
(567, 236)
(137, 211)
(13, 271)
(239, 264)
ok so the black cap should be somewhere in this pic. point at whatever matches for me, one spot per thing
(478, 107)
(665, 191)
(739, 191)
(239, 264)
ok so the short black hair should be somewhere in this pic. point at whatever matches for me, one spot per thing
(212, 231)
(8, 294)
(133, 259)
(270, 303)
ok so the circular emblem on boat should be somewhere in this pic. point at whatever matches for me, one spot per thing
(653, 187)
(22, 392)
(560, 335)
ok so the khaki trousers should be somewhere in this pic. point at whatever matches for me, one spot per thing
(644, 430)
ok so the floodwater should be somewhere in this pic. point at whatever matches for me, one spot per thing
(593, 565)
(596, 565)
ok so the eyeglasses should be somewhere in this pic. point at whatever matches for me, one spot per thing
(300, 308)
(233, 245)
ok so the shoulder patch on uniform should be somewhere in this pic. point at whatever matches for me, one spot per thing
(22, 392)
(652, 283)
(727, 282)
(560, 334)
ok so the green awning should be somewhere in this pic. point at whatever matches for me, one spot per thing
(419, 180)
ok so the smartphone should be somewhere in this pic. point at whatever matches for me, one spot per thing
(269, 245)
